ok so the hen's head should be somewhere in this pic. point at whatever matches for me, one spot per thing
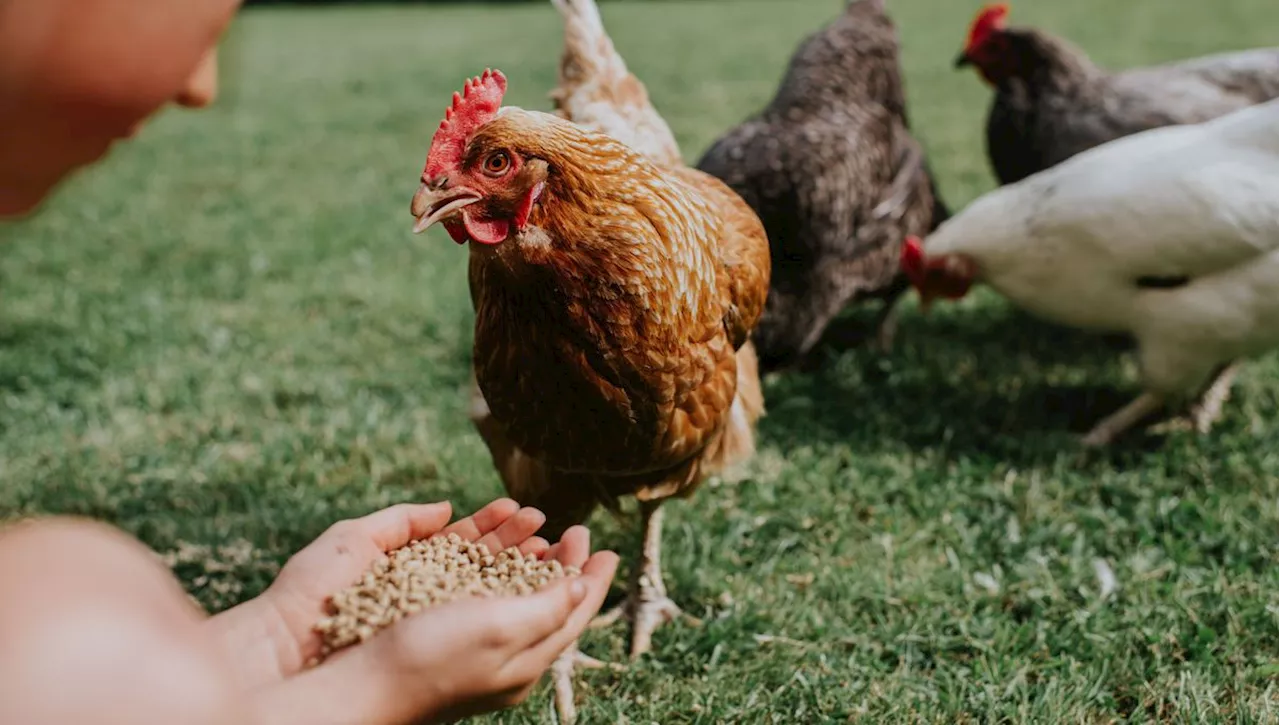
(949, 276)
(475, 182)
(988, 45)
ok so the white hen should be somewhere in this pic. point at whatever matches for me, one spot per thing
(1169, 235)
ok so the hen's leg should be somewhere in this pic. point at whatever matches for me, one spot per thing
(887, 321)
(1208, 409)
(566, 499)
(1122, 420)
(647, 605)
(652, 607)
(887, 326)
(562, 678)
(1205, 410)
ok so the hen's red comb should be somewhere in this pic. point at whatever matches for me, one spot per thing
(911, 260)
(477, 105)
(988, 20)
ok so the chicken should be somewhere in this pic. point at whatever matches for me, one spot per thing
(615, 292)
(1169, 236)
(832, 170)
(1051, 102)
(597, 92)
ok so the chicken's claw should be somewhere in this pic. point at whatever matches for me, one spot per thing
(562, 678)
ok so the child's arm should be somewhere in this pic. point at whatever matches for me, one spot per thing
(451, 660)
(460, 659)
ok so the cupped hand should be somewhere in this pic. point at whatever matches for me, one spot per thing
(452, 660)
(272, 637)
(480, 655)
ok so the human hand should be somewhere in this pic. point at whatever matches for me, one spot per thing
(453, 660)
(271, 637)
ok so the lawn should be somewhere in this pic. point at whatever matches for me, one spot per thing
(225, 338)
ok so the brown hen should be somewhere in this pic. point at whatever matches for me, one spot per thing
(615, 291)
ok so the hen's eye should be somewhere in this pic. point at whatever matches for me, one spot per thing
(497, 163)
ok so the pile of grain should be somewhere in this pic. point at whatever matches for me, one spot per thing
(426, 573)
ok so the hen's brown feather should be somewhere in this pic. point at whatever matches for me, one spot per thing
(597, 92)
(609, 334)
(611, 338)
(744, 285)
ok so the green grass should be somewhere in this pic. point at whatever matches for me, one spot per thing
(226, 333)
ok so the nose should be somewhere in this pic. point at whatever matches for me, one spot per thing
(202, 86)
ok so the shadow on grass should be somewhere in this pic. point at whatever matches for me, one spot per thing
(986, 384)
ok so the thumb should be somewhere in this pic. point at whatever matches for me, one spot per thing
(534, 617)
(508, 623)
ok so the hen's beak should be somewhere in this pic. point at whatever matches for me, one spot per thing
(434, 205)
(963, 59)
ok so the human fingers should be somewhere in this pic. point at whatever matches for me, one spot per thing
(395, 526)
(489, 632)
(573, 548)
(516, 623)
(515, 530)
(596, 576)
(535, 545)
(341, 553)
(483, 521)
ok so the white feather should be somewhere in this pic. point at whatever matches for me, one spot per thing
(1199, 201)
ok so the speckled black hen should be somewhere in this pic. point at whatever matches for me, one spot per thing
(1052, 102)
(832, 170)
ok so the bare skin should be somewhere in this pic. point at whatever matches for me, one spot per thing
(97, 631)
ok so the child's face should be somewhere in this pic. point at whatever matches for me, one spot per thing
(78, 75)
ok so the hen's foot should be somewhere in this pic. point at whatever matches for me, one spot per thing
(1208, 409)
(1111, 427)
(647, 606)
(646, 615)
(609, 618)
(562, 671)
(649, 614)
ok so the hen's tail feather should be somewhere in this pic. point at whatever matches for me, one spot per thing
(736, 445)
(597, 92)
(588, 50)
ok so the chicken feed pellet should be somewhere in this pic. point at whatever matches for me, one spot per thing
(423, 574)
